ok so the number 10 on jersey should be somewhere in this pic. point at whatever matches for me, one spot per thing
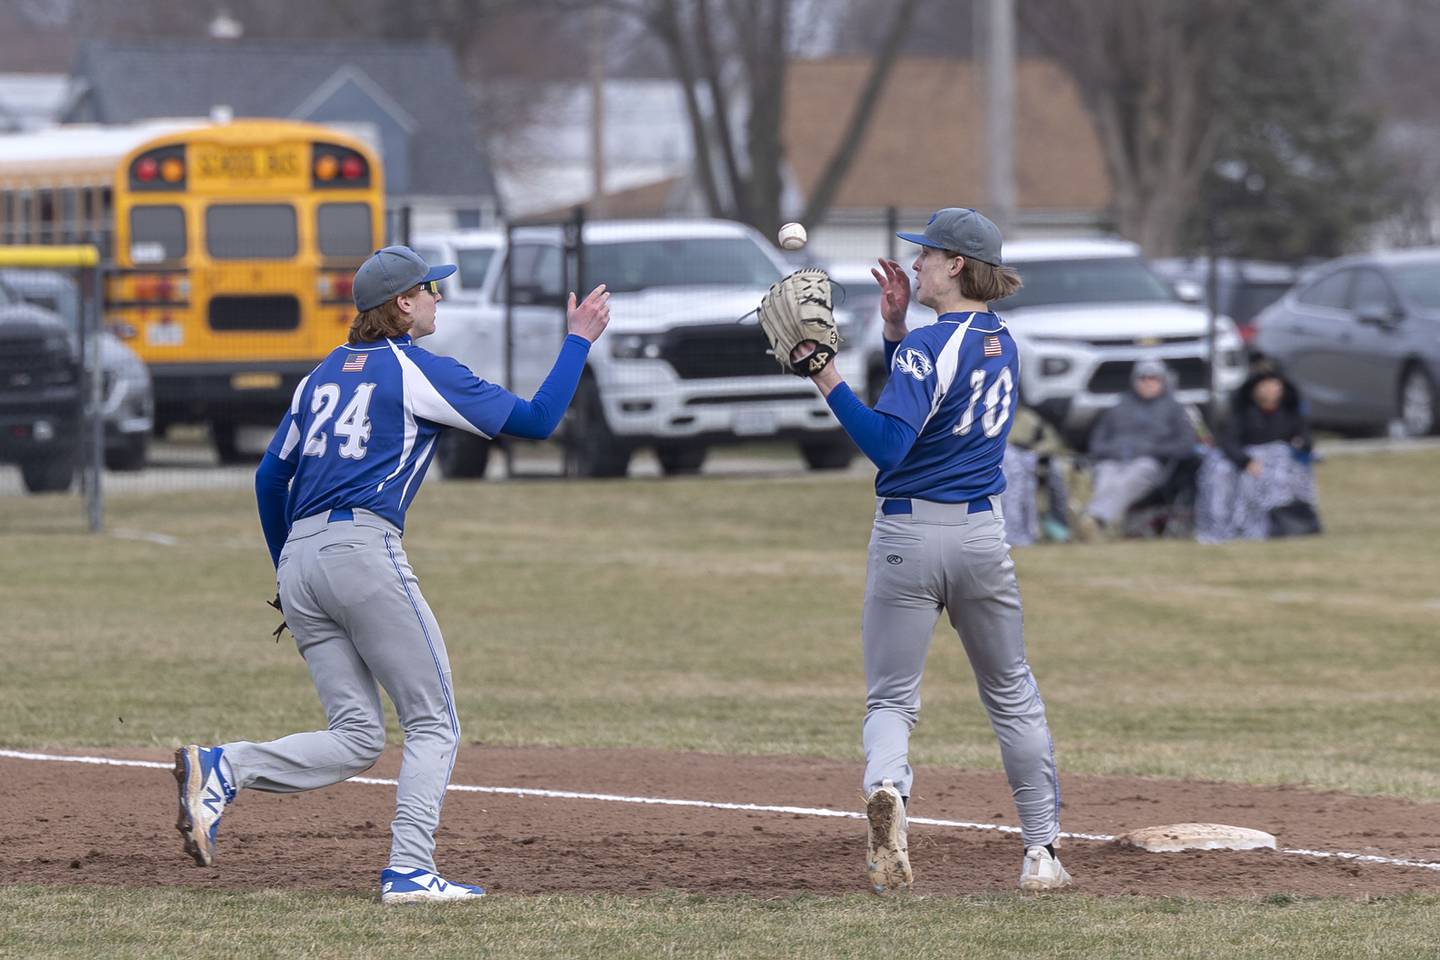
(997, 403)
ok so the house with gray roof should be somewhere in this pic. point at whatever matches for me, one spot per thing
(405, 98)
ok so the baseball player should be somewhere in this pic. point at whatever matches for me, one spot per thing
(937, 434)
(345, 464)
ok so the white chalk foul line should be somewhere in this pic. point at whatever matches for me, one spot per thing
(715, 805)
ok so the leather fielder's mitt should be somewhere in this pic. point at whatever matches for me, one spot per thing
(799, 310)
(283, 625)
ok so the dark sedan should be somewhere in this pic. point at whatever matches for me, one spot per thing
(1360, 337)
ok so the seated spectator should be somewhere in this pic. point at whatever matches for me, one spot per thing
(1135, 447)
(1036, 460)
(1257, 483)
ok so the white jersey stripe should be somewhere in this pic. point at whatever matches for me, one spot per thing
(295, 397)
(424, 452)
(945, 366)
(292, 436)
(425, 401)
(292, 439)
(408, 441)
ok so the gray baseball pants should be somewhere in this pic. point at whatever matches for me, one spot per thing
(942, 557)
(355, 608)
(1119, 484)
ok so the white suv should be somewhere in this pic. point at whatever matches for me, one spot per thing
(678, 369)
(1088, 310)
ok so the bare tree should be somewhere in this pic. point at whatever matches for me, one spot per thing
(1227, 118)
(839, 164)
(1399, 76)
(1143, 68)
(701, 37)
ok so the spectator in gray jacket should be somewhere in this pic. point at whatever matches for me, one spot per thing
(1134, 446)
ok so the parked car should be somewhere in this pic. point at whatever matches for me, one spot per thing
(128, 404)
(678, 370)
(39, 395)
(1242, 287)
(1360, 338)
(1088, 310)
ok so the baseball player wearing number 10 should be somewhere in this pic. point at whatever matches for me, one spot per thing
(938, 434)
(345, 464)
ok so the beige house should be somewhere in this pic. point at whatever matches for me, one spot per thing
(916, 157)
(925, 147)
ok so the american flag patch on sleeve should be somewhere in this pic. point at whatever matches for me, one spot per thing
(356, 363)
(992, 346)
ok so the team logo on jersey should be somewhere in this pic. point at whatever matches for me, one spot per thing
(992, 346)
(355, 364)
(914, 363)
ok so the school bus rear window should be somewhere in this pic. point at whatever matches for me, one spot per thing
(157, 234)
(251, 231)
(343, 230)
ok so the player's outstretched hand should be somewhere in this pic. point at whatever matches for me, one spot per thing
(590, 318)
(894, 291)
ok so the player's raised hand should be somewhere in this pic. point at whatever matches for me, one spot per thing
(894, 290)
(590, 318)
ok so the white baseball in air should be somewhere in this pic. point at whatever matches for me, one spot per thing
(792, 236)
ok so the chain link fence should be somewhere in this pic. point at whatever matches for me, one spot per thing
(182, 366)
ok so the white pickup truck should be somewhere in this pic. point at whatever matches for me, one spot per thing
(677, 370)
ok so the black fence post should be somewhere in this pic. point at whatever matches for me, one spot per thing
(91, 322)
(508, 285)
(1212, 301)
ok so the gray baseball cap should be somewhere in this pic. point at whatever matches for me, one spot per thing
(963, 230)
(391, 271)
(1150, 367)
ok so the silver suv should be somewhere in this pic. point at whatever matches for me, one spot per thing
(1089, 309)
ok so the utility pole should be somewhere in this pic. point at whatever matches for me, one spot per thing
(597, 109)
(995, 29)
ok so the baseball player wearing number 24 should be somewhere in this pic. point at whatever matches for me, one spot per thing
(333, 488)
(938, 435)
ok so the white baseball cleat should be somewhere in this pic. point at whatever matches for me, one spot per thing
(420, 886)
(887, 858)
(1041, 872)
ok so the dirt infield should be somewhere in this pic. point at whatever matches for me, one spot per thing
(65, 823)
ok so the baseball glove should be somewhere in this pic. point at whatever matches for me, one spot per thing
(283, 625)
(799, 311)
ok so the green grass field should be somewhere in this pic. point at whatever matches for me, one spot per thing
(667, 614)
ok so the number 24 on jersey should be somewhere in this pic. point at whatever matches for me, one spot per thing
(352, 427)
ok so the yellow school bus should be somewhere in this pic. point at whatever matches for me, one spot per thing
(231, 248)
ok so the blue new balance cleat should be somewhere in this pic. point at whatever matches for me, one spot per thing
(204, 794)
(418, 886)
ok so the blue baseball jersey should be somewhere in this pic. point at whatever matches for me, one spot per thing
(954, 382)
(361, 428)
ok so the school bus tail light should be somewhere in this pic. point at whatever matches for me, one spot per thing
(339, 168)
(160, 169)
(334, 288)
(162, 288)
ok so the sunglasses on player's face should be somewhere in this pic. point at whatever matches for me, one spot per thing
(431, 287)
